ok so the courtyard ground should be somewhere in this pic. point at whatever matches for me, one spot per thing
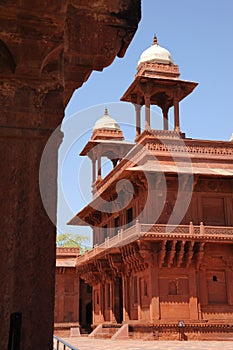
(85, 343)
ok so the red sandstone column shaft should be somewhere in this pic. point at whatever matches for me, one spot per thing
(61, 298)
(99, 166)
(165, 119)
(138, 119)
(176, 115)
(147, 117)
(93, 170)
(125, 298)
(154, 292)
(193, 302)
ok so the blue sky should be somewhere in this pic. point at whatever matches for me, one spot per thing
(198, 35)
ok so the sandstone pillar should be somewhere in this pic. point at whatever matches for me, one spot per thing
(61, 298)
(154, 285)
(46, 51)
(147, 113)
(229, 278)
(165, 118)
(76, 297)
(176, 115)
(193, 302)
(138, 119)
(125, 290)
(28, 235)
(99, 166)
(202, 287)
(93, 171)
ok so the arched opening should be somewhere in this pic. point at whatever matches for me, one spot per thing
(118, 301)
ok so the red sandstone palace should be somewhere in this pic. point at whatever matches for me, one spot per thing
(162, 262)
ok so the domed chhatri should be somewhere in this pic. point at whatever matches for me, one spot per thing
(106, 123)
(155, 54)
(106, 128)
(157, 83)
(107, 141)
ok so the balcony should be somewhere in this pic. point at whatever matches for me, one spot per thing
(159, 232)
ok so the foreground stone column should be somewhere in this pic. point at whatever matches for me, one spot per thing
(27, 237)
(46, 51)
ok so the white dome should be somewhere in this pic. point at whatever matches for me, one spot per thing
(156, 54)
(106, 123)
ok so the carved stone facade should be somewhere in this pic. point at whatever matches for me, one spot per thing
(162, 256)
(166, 273)
(47, 49)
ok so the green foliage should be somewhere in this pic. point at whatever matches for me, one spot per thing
(73, 240)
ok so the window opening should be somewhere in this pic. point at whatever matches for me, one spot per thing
(116, 225)
(129, 217)
(105, 232)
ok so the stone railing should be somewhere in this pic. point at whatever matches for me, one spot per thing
(154, 69)
(128, 234)
(157, 230)
(190, 229)
(68, 250)
(90, 254)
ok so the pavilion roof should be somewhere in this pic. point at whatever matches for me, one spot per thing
(195, 168)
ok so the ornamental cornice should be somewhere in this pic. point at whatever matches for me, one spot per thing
(201, 150)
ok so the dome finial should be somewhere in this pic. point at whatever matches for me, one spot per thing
(155, 40)
(106, 123)
(155, 54)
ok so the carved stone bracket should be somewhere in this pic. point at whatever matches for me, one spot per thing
(89, 274)
(189, 253)
(171, 254)
(132, 258)
(146, 253)
(174, 253)
(180, 253)
(162, 253)
(104, 269)
(199, 253)
(116, 264)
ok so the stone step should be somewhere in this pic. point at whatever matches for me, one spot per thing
(107, 331)
(103, 335)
